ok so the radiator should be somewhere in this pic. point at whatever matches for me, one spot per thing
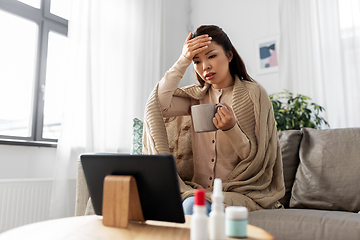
(23, 201)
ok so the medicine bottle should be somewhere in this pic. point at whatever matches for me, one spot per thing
(236, 221)
(199, 225)
(217, 214)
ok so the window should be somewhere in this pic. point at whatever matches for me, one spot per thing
(349, 12)
(349, 16)
(33, 48)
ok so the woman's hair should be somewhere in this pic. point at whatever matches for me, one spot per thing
(236, 66)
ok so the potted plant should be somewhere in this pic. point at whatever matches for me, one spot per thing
(293, 112)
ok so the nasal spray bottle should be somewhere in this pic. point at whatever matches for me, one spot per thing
(198, 228)
(217, 214)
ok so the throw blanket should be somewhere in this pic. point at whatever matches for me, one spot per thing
(257, 181)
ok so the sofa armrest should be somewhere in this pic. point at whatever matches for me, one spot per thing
(82, 192)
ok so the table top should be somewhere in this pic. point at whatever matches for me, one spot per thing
(91, 227)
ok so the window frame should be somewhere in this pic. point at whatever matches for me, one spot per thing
(46, 22)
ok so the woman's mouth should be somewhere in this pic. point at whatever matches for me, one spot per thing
(210, 76)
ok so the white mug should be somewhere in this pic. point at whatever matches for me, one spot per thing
(202, 116)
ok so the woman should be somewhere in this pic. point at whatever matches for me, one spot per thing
(244, 152)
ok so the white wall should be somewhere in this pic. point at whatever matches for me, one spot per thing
(176, 29)
(244, 21)
(26, 162)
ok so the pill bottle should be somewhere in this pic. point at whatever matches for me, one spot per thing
(236, 220)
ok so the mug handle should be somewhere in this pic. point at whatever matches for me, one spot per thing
(220, 105)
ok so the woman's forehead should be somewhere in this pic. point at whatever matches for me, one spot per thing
(212, 47)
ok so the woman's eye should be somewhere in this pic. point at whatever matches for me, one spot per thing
(196, 62)
(212, 56)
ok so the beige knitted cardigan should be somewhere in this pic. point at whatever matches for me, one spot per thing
(257, 181)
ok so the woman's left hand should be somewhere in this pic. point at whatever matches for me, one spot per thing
(224, 118)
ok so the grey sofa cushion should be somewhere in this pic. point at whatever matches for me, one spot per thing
(298, 224)
(289, 143)
(328, 176)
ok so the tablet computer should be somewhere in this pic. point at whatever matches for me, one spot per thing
(156, 179)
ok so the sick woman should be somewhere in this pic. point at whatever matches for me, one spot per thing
(244, 152)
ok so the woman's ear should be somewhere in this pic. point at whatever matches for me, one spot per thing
(230, 55)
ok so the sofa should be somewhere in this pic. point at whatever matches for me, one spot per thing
(322, 182)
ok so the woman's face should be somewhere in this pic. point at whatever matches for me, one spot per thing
(212, 65)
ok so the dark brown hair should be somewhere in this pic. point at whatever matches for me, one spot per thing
(236, 66)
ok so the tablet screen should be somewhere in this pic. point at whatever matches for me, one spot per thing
(156, 179)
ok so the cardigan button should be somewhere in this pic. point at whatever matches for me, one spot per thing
(213, 141)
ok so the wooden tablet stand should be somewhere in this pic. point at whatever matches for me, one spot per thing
(121, 202)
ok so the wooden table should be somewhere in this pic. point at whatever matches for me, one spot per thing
(91, 227)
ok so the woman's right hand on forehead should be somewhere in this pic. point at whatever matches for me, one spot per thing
(195, 45)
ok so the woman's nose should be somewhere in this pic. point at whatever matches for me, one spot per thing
(206, 65)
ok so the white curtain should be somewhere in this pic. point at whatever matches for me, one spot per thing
(320, 55)
(115, 50)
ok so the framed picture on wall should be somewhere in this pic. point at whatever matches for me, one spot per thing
(267, 52)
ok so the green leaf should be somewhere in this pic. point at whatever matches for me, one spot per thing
(296, 111)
